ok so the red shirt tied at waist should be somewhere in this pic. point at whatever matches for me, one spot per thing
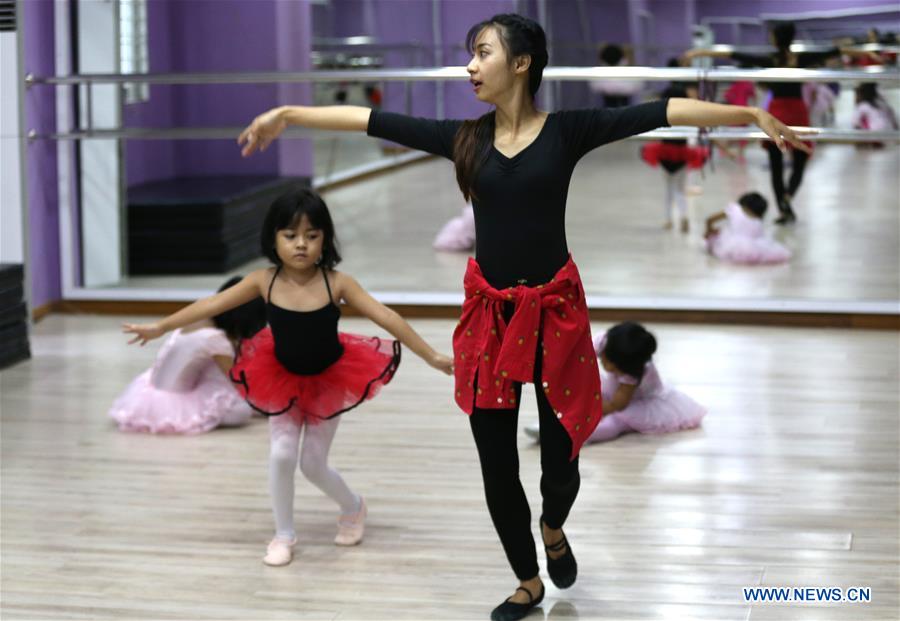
(489, 355)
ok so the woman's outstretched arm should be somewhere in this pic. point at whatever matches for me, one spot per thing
(682, 111)
(268, 126)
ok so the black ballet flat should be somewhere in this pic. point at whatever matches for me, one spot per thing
(787, 213)
(511, 611)
(563, 570)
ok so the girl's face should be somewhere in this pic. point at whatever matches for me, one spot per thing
(489, 70)
(299, 247)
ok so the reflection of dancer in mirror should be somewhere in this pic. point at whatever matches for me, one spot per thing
(872, 113)
(187, 390)
(634, 396)
(615, 93)
(743, 238)
(675, 157)
(787, 106)
(525, 317)
(300, 370)
(458, 234)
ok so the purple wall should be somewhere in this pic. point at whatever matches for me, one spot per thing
(148, 160)
(457, 16)
(399, 22)
(40, 162)
(220, 36)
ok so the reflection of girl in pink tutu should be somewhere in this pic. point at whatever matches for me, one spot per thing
(458, 234)
(300, 370)
(743, 239)
(187, 390)
(634, 396)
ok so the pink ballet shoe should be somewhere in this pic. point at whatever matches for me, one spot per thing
(280, 552)
(351, 527)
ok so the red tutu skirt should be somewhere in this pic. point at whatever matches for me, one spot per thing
(655, 152)
(367, 364)
(790, 111)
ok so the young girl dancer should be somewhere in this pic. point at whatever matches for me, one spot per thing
(187, 390)
(787, 105)
(872, 112)
(675, 157)
(634, 396)
(300, 370)
(743, 239)
(524, 317)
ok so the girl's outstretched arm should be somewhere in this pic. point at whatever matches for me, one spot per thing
(683, 111)
(357, 297)
(246, 290)
(620, 399)
(712, 221)
(268, 126)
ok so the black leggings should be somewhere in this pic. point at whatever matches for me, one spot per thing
(776, 164)
(495, 433)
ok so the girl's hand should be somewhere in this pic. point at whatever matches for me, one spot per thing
(261, 132)
(442, 363)
(143, 332)
(779, 132)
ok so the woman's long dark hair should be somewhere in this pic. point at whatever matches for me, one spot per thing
(783, 33)
(520, 36)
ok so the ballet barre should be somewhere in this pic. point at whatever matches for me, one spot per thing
(877, 74)
(670, 133)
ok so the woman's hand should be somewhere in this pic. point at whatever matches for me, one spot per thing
(262, 131)
(442, 363)
(143, 332)
(690, 55)
(781, 133)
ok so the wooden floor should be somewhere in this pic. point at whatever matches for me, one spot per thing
(792, 481)
(846, 244)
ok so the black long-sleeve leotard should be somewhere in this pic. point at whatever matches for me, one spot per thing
(521, 201)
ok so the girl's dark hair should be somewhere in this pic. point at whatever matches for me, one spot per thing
(519, 36)
(287, 211)
(245, 320)
(867, 91)
(612, 54)
(783, 33)
(755, 203)
(630, 347)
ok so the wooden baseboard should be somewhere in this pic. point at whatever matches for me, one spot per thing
(43, 310)
(748, 318)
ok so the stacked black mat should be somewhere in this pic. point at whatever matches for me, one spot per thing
(13, 316)
(199, 225)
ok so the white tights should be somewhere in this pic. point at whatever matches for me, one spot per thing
(676, 184)
(284, 436)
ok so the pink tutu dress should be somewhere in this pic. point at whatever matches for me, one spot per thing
(184, 392)
(743, 240)
(654, 408)
(458, 234)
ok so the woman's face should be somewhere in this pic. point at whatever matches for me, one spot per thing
(489, 70)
